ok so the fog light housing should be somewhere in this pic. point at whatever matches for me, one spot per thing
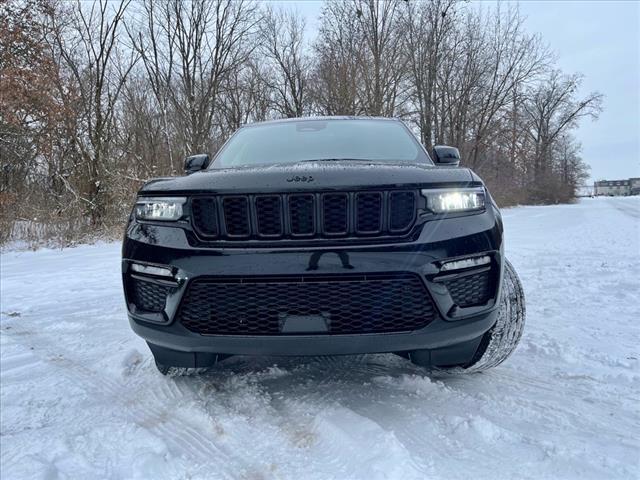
(152, 270)
(465, 263)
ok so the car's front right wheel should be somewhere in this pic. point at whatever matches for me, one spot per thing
(503, 338)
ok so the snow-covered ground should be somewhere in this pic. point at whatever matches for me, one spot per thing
(80, 397)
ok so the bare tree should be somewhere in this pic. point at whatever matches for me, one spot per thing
(282, 39)
(571, 170)
(382, 60)
(551, 111)
(428, 26)
(89, 45)
(336, 75)
(155, 42)
(360, 63)
(512, 58)
(212, 42)
(245, 97)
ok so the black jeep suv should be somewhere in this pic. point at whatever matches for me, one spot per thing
(322, 236)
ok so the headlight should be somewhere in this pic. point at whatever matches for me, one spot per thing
(169, 208)
(454, 199)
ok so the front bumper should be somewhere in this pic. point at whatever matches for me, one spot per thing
(439, 240)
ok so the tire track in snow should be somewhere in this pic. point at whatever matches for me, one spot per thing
(364, 446)
(181, 439)
(12, 368)
(296, 400)
(626, 208)
(14, 364)
(575, 387)
(322, 385)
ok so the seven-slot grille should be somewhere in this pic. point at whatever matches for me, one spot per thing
(304, 215)
(350, 304)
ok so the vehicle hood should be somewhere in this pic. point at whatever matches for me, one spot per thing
(312, 176)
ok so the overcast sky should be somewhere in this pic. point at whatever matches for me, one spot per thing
(600, 39)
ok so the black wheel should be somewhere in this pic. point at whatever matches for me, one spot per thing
(503, 338)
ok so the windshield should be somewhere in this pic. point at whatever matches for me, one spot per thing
(308, 140)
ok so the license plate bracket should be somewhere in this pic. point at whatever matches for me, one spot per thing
(318, 323)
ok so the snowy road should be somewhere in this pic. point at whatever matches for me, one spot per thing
(80, 397)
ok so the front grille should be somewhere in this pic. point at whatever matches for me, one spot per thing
(471, 290)
(351, 304)
(304, 215)
(149, 296)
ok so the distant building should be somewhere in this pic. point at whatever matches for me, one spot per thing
(617, 187)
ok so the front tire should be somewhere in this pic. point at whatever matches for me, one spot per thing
(503, 338)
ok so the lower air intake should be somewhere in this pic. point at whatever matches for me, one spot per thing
(471, 290)
(350, 304)
(149, 296)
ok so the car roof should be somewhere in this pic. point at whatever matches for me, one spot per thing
(322, 118)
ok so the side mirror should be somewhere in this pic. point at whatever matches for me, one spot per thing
(195, 163)
(444, 155)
